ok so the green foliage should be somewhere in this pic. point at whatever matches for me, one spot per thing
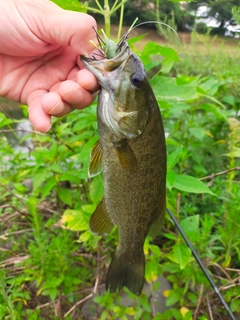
(236, 14)
(49, 259)
(201, 27)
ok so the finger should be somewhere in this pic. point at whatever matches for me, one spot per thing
(38, 118)
(74, 95)
(68, 28)
(87, 80)
(71, 92)
(84, 78)
(52, 104)
(73, 74)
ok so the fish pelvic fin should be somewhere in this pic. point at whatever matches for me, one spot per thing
(125, 272)
(95, 166)
(100, 222)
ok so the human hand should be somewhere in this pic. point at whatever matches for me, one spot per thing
(40, 45)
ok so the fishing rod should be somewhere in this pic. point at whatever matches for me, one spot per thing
(232, 317)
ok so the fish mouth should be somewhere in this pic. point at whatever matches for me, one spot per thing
(100, 68)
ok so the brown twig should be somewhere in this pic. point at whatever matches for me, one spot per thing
(221, 268)
(3, 236)
(95, 285)
(209, 309)
(223, 288)
(68, 295)
(98, 267)
(13, 260)
(152, 302)
(77, 304)
(214, 175)
(234, 270)
(198, 302)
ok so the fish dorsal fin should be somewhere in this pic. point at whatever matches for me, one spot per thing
(100, 221)
(125, 155)
(95, 166)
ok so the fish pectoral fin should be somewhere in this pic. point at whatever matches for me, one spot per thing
(95, 166)
(125, 155)
(100, 221)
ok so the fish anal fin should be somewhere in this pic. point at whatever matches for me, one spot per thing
(126, 156)
(95, 166)
(100, 222)
(156, 225)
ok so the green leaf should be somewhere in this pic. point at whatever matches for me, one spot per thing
(173, 158)
(210, 86)
(182, 254)
(190, 226)
(71, 177)
(47, 188)
(72, 5)
(75, 220)
(198, 133)
(235, 305)
(133, 40)
(56, 168)
(167, 89)
(230, 99)
(41, 175)
(151, 271)
(96, 189)
(171, 177)
(172, 298)
(190, 184)
(170, 236)
(65, 196)
(233, 154)
(219, 114)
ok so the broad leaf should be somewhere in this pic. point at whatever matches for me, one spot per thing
(167, 89)
(190, 226)
(190, 184)
(173, 158)
(182, 254)
(74, 220)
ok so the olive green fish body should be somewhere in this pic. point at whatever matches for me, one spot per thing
(133, 157)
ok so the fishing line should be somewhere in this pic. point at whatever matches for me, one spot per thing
(201, 266)
(142, 23)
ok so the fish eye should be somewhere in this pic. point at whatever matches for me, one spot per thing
(137, 79)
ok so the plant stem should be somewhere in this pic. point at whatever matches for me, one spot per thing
(114, 6)
(107, 18)
(95, 10)
(99, 6)
(118, 6)
(120, 23)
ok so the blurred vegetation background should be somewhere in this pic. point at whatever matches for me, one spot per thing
(51, 266)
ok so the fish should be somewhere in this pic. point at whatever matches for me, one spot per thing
(131, 154)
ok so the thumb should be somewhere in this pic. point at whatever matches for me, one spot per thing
(69, 28)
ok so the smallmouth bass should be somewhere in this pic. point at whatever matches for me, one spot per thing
(131, 153)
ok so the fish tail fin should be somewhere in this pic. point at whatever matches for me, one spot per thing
(124, 271)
